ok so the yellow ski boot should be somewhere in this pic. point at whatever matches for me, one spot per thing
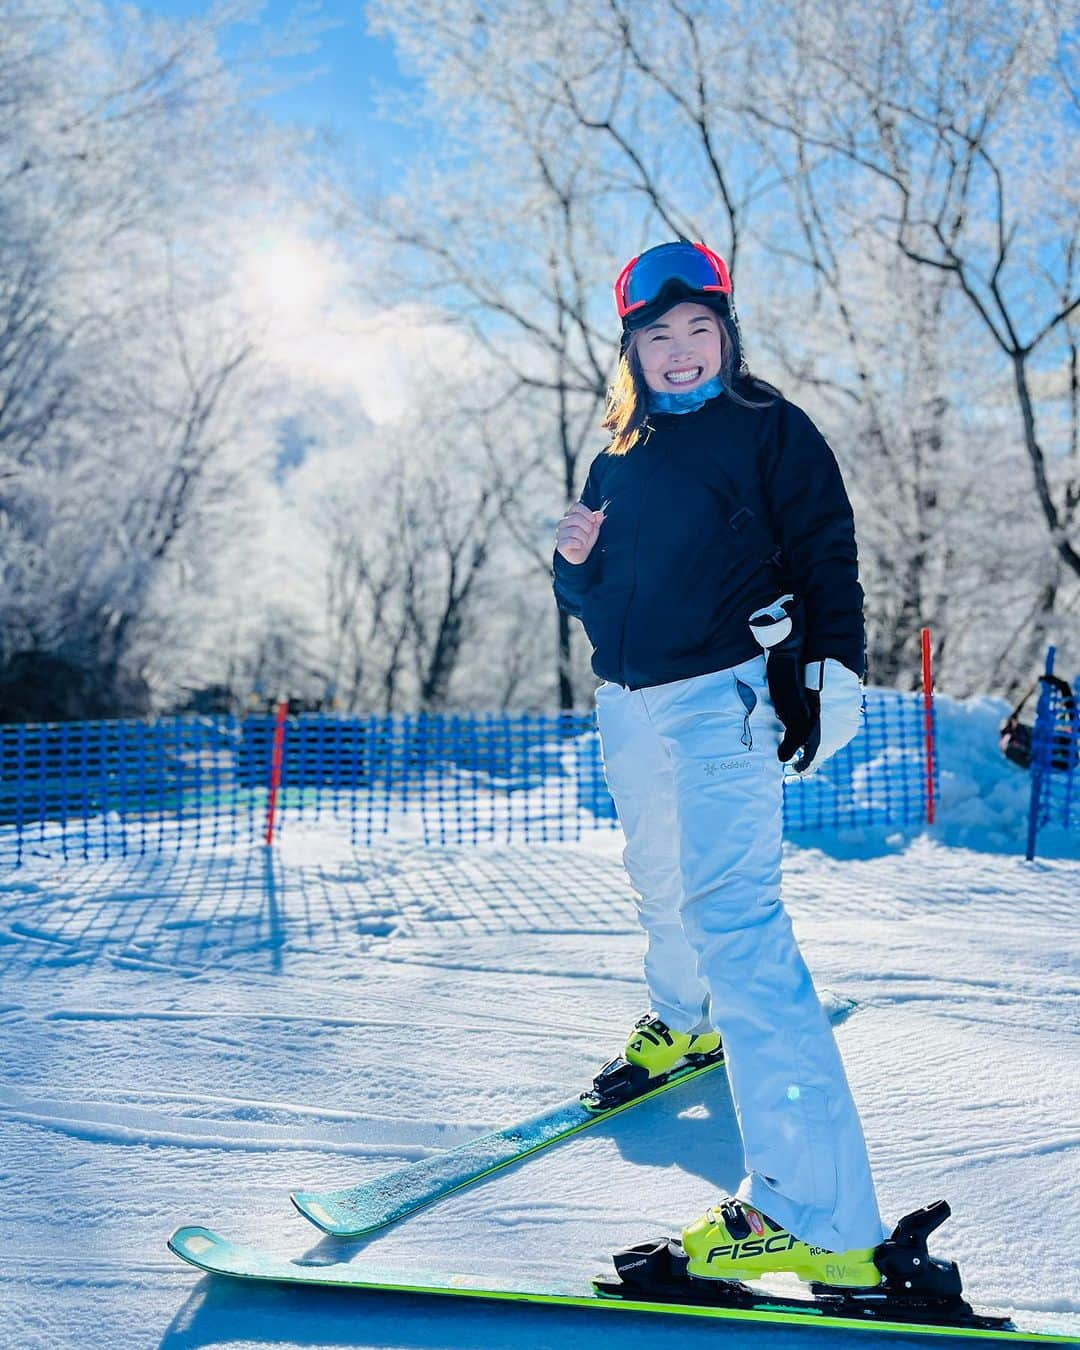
(733, 1241)
(654, 1055)
(654, 1047)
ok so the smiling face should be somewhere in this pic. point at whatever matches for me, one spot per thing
(682, 349)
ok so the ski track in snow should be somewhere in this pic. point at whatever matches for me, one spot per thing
(187, 1038)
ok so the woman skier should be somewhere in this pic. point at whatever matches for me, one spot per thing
(719, 502)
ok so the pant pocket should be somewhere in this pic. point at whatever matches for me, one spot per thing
(749, 702)
(708, 715)
(767, 729)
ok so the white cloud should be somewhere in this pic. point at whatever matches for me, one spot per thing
(319, 340)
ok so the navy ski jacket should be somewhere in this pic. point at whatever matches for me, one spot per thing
(710, 514)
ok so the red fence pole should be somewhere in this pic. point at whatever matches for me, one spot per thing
(928, 722)
(276, 756)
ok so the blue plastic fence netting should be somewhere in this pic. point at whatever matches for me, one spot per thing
(101, 789)
(1055, 757)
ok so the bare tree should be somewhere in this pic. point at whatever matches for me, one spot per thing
(408, 542)
(510, 254)
(124, 373)
(961, 118)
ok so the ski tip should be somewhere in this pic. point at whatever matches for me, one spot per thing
(315, 1213)
(192, 1243)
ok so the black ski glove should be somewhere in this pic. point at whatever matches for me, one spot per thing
(779, 628)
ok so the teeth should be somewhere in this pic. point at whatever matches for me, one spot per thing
(684, 376)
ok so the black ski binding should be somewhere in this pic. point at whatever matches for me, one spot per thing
(657, 1270)
(617, 1082)
(907, 1265)
(915, 1285)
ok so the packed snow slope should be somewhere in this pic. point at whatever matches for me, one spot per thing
(187, 1039)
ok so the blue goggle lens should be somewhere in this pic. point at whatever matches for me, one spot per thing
(666, 263)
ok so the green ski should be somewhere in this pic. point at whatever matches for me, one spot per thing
(207, 1251)
(354, 1211)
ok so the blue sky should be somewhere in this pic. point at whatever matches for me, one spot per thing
(343, 73)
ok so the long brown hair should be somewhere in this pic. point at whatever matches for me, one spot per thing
(627, 408)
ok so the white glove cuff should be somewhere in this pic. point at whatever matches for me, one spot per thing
(817, 670)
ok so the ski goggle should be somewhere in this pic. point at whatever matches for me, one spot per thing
(643, 278)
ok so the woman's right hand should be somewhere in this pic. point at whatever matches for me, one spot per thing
(577, 532)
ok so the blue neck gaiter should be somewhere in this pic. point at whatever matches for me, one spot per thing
(691, 401)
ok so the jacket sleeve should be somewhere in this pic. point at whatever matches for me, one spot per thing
(571, 581)
(815, 525)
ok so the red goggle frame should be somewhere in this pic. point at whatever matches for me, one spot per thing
(644, 277)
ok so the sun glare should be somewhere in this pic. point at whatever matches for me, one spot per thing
(288, 273)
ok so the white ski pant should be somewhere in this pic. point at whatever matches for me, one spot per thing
(693, 771)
